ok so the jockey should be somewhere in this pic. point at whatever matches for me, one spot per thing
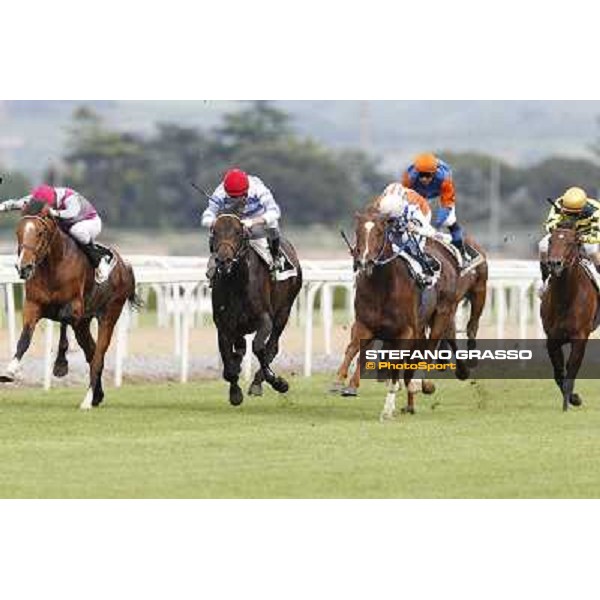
(432, 178)
(413, 216)
(573, 204)
(247, 196)
(77, 217)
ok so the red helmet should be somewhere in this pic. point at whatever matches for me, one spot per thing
(236, 183)
(44, 193)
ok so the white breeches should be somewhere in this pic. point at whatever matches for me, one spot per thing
(589, 249)
(86, 231)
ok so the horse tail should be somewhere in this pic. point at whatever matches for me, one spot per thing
(135, 300)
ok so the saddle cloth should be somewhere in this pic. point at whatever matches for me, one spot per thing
(110, 261)
(592, 273)
(261, 247)
(590, 269)
(477, 258)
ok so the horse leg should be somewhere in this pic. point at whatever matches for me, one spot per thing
(555, 353)
(272, 351)
(231, 368)
(85, 340)
(390, 400)
(359, 332)
(477, 301)
(573, 364)
(259, 347)
(440, 324)
(106, 325)
(31, 315)
(61, 365)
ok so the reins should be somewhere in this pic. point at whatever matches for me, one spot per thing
(40, 250)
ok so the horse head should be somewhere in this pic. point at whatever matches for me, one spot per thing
(563, 248)
(371, 239)
(35, 231)
(229, 241)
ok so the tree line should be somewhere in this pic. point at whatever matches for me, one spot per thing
(143, 181)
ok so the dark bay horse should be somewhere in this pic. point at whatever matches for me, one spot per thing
(60, 285)
(389, 306)
(246, 300)
(569, 309)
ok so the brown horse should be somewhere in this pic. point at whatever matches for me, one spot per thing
(60, 285)
(245, 299)
(389, 305)
(569, 309)
(472, 289)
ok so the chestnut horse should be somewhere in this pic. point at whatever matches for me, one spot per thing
(60, 286)
(472, 288)
(569, 309)
(245, 300)
(390, 306)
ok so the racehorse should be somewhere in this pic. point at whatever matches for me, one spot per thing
(472, 288)
(390, 306)
(569, 309)
(60, 286)
(245, 300)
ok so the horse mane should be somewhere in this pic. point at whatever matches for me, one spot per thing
(33, 208)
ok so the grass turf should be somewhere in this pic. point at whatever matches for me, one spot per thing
(484, 439)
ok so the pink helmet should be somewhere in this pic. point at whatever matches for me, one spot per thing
(44, 193)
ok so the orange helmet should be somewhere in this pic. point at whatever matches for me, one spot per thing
(426, 163)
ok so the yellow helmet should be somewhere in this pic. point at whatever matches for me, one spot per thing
(573, 200)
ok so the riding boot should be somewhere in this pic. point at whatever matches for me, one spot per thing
(94, 253)
(274, 247)
(458, 242)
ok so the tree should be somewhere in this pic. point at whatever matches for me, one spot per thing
(258, 124)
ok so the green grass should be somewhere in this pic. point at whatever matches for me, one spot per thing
(489, 439)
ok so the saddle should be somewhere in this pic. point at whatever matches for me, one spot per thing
(261, 247)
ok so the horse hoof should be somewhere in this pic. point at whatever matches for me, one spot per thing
(575, 400)
(408, 410)
(349, 392)
(280, 385)
(97, 400)
(255, 390)
(60, 369)
(427, 387)
(462, 372)
(236, 397)
(6, 378)
(386, 416)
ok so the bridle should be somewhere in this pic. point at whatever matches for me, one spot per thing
(41, 248)
(572, 248)
(239, 251)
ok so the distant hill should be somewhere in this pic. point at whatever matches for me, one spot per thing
(518, 131)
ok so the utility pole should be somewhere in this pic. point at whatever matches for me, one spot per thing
(494, 223)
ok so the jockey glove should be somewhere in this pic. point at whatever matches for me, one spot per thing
(440, 217)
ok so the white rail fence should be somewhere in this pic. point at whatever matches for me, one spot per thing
(183, 302)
